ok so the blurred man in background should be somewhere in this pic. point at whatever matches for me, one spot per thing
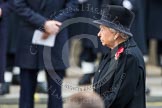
(47, 16)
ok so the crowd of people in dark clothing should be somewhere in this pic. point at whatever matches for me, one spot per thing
(22, 62)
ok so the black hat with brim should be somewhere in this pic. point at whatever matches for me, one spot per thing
(123, 19)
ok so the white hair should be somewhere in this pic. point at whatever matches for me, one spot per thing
(123, 35)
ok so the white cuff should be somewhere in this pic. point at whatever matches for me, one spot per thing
(87, 67)
(127, 4)
(8, 77)
(145, 57)
(82, 1)
(16, 70)
(41, 76)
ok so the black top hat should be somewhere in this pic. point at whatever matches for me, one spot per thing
(118, 18)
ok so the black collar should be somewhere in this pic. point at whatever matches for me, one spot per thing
(127, 44)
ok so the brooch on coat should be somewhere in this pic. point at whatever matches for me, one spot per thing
(119, 52)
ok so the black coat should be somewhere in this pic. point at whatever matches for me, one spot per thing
(6, 8)
(34, 13)
(154, 10)
(13, 28)
(121, 82)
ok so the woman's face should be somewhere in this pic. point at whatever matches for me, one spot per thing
(106, 36)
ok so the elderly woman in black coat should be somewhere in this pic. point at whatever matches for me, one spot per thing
(120, 79)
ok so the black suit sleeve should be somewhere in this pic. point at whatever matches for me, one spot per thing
(116, 2)
(6, 8)
(71, 8)
(124, 85)
(28, 14)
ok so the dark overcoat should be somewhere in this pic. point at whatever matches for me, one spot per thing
(154, 9)
(34, 13)
(121, 81)
(13, 28)
(6, 7)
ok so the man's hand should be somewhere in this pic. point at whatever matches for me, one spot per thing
(52, 27)
(0, 12)
(45, 36)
